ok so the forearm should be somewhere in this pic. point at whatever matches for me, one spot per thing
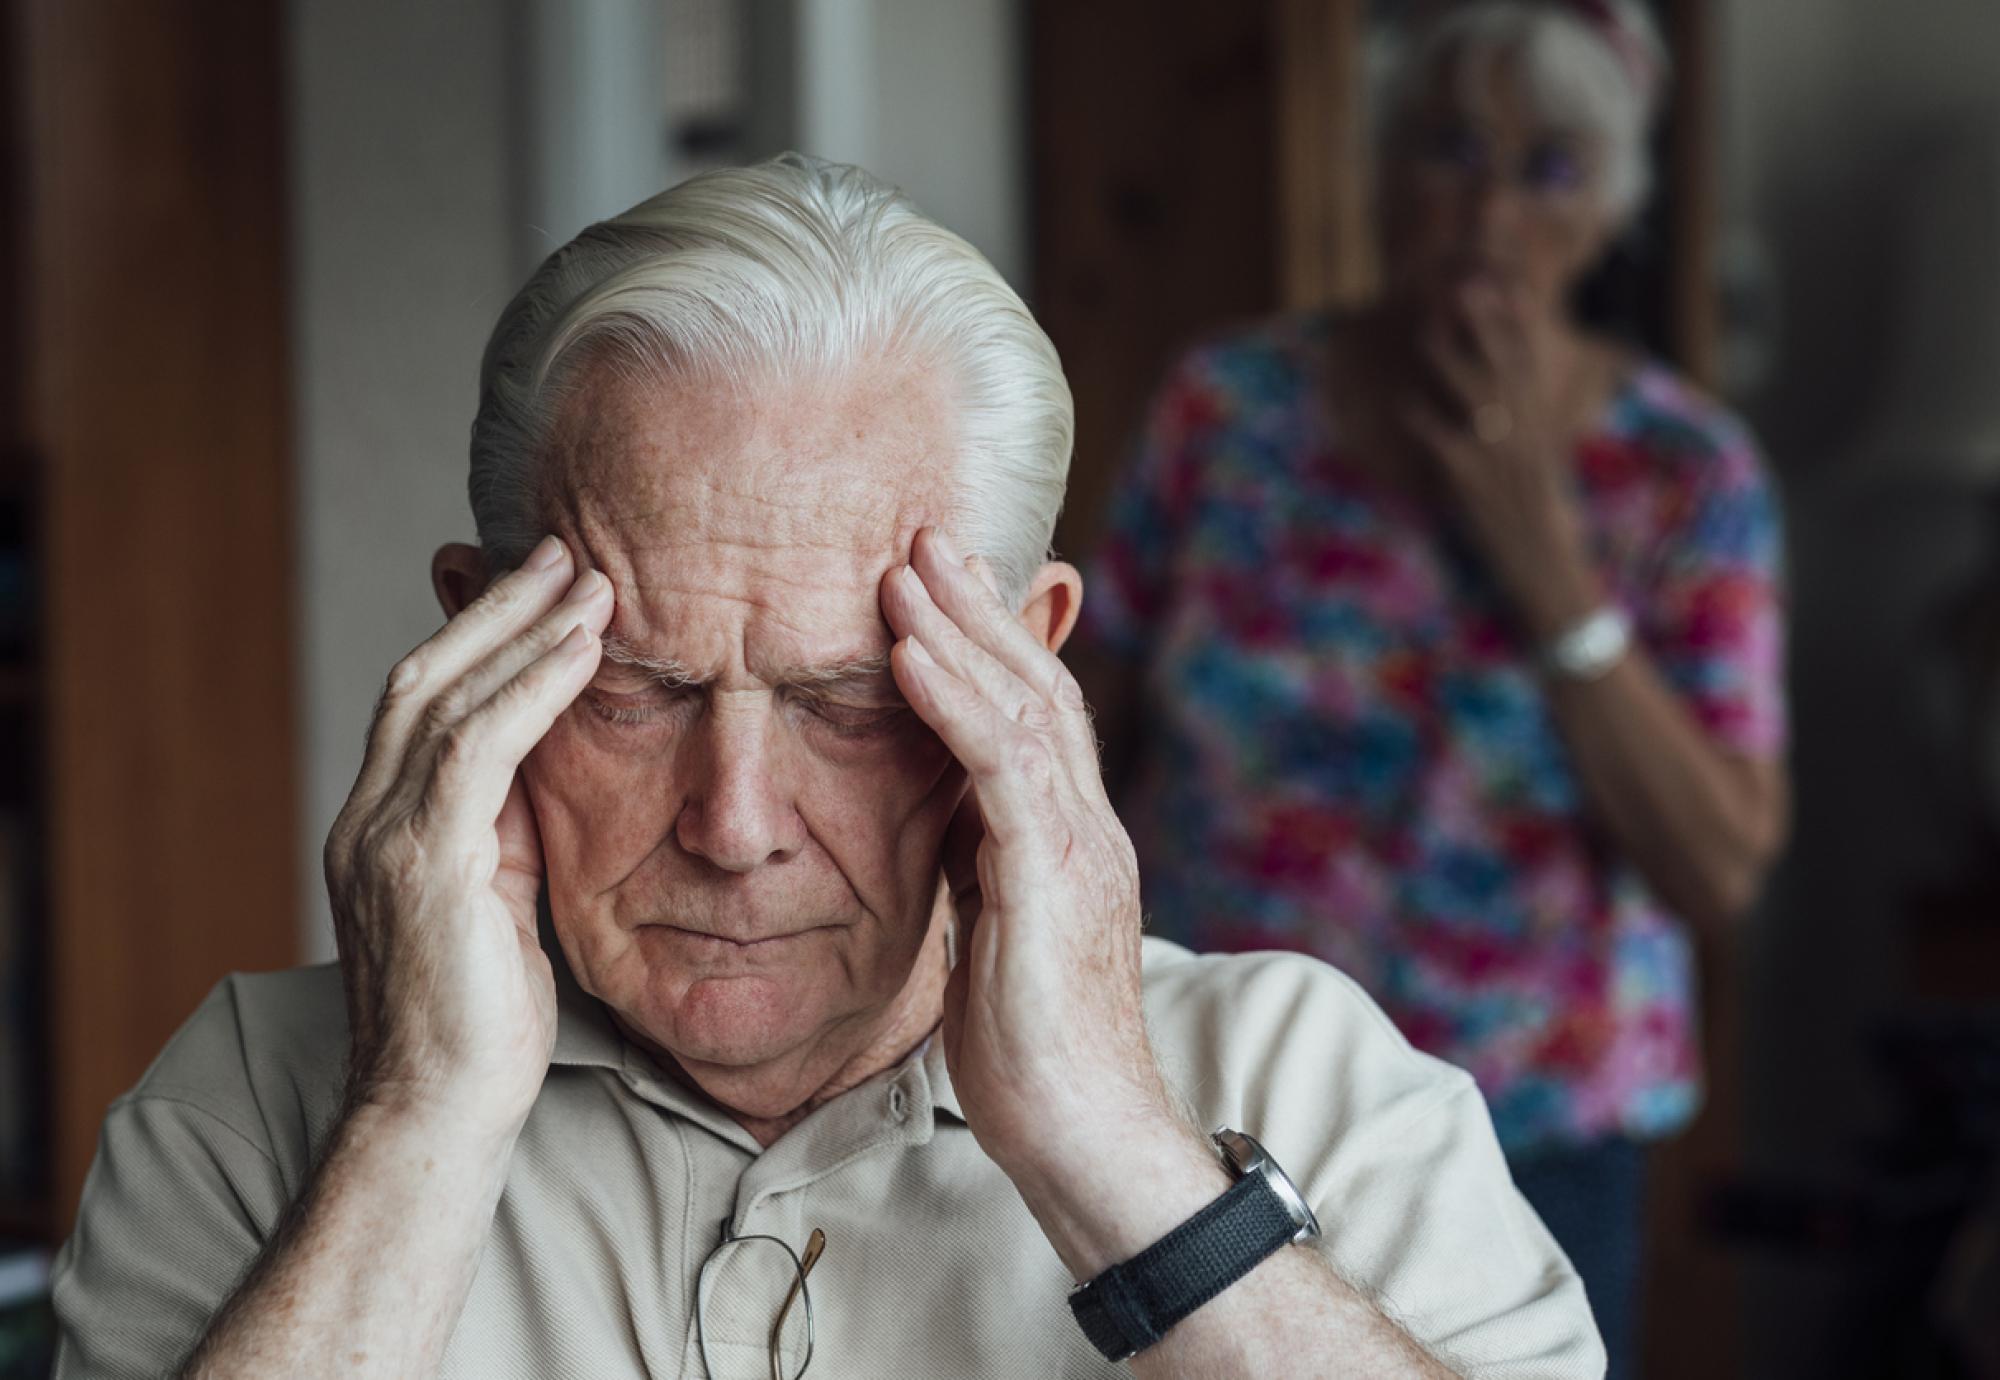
(1290, 1316)
(1700, 825)
(370, 1269)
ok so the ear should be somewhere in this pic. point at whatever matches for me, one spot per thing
(1055, 598)
(458, 576)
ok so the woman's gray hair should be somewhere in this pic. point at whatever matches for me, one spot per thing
(793, 269)
(1603, 75)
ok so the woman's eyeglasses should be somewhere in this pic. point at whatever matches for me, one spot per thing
(1552, 168)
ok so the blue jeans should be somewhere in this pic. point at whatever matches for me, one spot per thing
(1592, 1198)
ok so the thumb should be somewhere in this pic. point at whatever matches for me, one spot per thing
(957, 990)
(961, 864)
(518, 878)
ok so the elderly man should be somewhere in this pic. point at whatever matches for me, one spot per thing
(740, 964)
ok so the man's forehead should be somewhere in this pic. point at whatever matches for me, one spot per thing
(806, 465)
(767, 512)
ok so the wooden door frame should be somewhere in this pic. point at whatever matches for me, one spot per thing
(158, 415)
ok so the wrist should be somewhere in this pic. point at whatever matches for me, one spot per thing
(394, 1122)
(1135, 1303)
(1104, 1194)
(478, 1104)
(1589, 649)
(375, 1259)
(1557, 593)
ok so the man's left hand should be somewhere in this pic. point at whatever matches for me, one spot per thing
(1043, 1026)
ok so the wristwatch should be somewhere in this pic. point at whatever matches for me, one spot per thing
(1586, 650)
(1132, 1305)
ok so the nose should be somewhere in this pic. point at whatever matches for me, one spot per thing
(738, 814)
(1491, 205)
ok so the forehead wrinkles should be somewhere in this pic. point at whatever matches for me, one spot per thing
(810, 467)
(722, 518)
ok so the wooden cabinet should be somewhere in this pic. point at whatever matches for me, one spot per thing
(146, 443)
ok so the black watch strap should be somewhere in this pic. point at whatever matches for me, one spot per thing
(1132, 1305)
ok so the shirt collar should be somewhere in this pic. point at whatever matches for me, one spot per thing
(944, 1097)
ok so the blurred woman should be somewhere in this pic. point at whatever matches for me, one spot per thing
(1442, 640)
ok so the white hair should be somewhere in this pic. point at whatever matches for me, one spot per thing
(791, 270)
(1602, 78)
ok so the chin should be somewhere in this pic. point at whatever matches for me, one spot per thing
(737, 1020)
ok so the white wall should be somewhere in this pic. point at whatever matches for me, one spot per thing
(590, 126)
(1822, 102)
(403, 195)
(930, 95)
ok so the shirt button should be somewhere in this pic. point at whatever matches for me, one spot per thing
(898, 1104)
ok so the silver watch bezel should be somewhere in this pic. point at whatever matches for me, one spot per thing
(1245, 1155)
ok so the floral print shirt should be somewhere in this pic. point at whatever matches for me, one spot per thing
(1346, 749)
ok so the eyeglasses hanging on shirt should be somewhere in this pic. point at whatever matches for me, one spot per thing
(731, 1248)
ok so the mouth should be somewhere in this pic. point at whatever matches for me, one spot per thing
(703, 940)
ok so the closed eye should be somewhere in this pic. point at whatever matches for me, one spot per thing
(637, 708)
(856, 720)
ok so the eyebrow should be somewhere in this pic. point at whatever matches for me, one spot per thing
(621, 653)
(842, 671)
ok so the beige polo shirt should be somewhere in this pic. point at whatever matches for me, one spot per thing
(622, 1181)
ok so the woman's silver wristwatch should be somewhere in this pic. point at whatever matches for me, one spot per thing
(1586, 650)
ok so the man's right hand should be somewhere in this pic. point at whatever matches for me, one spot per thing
(434, 865)
(434, 868)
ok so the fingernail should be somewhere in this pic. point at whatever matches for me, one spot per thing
(946, 547)
(919, 653)
(546, 553)
(587, 587)
(574, 641)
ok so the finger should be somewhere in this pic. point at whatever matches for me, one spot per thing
(913, 612)
(510, 604)
(975, 607)
(1467, 378)
(915, 615)
(1447, 444)
(1498, 334)
(518, 874)
(961, 863)
(473, 765)
(1012, 770)
(588, 602)
(957, 991)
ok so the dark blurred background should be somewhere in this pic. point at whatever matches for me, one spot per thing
(250, 253)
